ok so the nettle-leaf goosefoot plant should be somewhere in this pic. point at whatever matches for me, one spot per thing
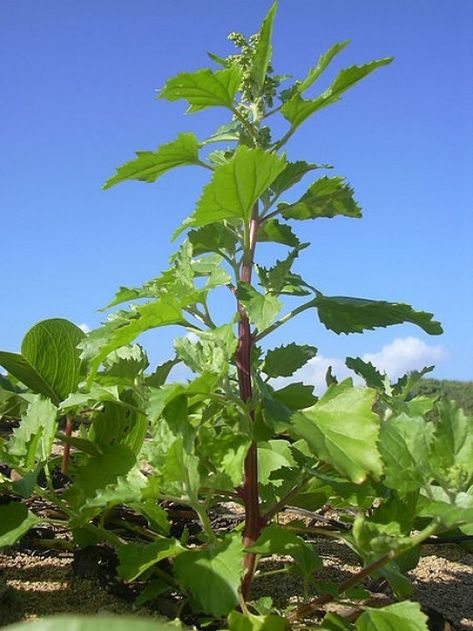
(146, 451)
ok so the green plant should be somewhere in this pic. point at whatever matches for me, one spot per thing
(229, 433)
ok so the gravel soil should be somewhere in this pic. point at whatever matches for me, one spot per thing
(35, 584)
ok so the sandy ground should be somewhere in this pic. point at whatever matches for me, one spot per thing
(40, 585)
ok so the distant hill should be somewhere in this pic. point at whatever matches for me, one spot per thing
(459, 391)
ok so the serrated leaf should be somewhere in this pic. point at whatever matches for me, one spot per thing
(136, 558)
(296, 396)
(341, 430)
(204, 88)
(97, 623)
(225, 133)
(124, 327)
(126, 363)
(237, 185)
(327, 197)
(249, 622)
(285, 360)
(49, 362)
(262, 52)
(160, 374)
(452, 448)
(404, 446)
(272, 456)
(355, 315)
(366, 371)
(262, 309)
(405, 615)
(34, 437)
(292, 174)
(296, 110)
(278, 278)
(97, 473)
(212, 576)
(322, 63)
(212, 238)
(149, 165)
(15, 521)
(274, 231)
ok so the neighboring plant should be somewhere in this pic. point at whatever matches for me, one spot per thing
(228, 432)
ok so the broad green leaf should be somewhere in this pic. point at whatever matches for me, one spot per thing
(452, 448)
(126, 363)
(366, 371)
(15, 521)
(22, 370)
(226, 450)
(124, 327)
(236, 186)
(292, 174)
(355, 315)
(97, 623)
(225, 133)
(118, 424)
(405, 615)
(97, 473)
(322, 63)
(272, 456)
(49, 362)
(404, 445)
(262, 309)
(262, 52)
(451, 512)
(285, 360)
(327, 197)
(212, 352)
(204, 88)
(341, 430)
(249, 622)
(12, 404)
(296, 396)
(276, 232)
(136, 558)
(212, 238)
(34, 437)
(149, 165)
(296, 110)
(212, 575)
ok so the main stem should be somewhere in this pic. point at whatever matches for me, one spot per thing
(253, 520)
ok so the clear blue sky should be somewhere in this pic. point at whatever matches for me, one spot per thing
(77, 87)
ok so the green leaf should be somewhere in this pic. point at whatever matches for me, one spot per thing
(404, 446)
(452, 448)
(366, 371)
(355, 315)
(225, 133)
(212, 576)
(406, 616)
(274, 231)
(160, 374)
(322, 63)
(49, 363)
(204, 88)
(296, 396)
(96, 623)
(327, 197)
(34, 437)
(149, 165)
(279, 279)
(124, 327)
(285, 360)
(136, 558)
(236, 186)
(126, 363)
(341, 430)
(273, 456)
(292, 174)
(451, 512)
(262, 52)
(249, 622)
(15, 521)
(97, 473)
(212, 238)
(334, 622)
(296, 110)
(262, 309)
